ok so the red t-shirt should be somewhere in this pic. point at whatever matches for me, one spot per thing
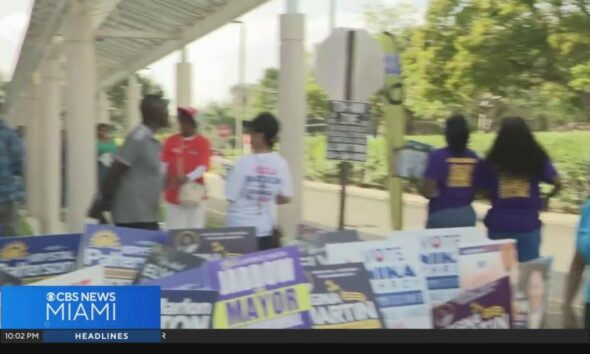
(189, 153)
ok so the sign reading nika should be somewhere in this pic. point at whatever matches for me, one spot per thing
(348, 127)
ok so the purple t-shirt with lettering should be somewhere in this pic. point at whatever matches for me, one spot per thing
(516, 201)
(454, 176)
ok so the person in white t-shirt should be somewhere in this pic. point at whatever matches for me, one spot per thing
(258, 183)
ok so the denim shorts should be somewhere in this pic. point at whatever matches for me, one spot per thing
(528, 244)
(455, 217)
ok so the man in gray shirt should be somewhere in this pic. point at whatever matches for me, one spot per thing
(131, 188)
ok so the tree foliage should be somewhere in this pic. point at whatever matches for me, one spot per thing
(533, 55)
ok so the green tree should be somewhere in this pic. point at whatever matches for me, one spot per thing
(527, 52)
(266, 97)
(117, 96)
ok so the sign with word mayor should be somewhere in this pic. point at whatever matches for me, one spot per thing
(80, 307)
(122, 251)
(264, 290)
(341, 297)
(348, 128)
(34, 258)
(187, 309)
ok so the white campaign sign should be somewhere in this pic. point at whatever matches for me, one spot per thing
(368, 70)
(86, 276)
(395, 276)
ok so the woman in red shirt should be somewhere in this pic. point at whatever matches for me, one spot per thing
(185, 158)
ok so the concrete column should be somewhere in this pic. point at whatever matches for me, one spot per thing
(184, 81)
(80, 119)
(133, 100)
(51, 147)
(292, 113)
(102, 110)
(31, 113)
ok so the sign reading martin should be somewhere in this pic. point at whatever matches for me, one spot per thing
(341, 297)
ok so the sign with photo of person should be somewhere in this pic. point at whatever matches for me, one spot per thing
(341, 297)
(531, 296)
(486, 307)
(214, 244)
(34, 258)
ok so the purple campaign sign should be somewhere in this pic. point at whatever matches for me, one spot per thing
(486, 307)
(283, 262)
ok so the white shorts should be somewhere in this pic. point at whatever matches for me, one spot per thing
(179, 217)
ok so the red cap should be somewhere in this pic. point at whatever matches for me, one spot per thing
(192, 112)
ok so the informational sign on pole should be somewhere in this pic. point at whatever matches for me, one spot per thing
(350, 68)
(348, 127)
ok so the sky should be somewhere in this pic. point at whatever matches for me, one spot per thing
(215, 56)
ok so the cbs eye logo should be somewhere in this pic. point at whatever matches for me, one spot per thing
(50, 297)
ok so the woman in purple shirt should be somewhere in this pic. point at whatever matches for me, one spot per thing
(448, 179)
(511, 174)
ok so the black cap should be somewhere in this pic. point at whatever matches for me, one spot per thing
(266, 124)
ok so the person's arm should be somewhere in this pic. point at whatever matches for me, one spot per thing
(234, 183)
(428, 187)
(286, 190)
(550, 176)
(573, 281)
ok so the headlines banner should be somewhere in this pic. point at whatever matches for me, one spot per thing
(395, 276)
(187, 309)
(122, 251)
(531, 296)
(264, 290)
(341, 297)
(215, 244)
(80, 307)
(165, 261)
(485, 307)
(34, 258)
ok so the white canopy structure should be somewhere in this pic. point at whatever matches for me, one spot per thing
(76, 49)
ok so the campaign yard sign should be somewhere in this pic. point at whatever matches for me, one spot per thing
(34, 258)
(122, 251)
(485, 307)
(190, 279)
(264, 290)
(187, 309)
(531, 295)
(94, 276)
(395, 276)
(341, 297)
(214, 244)
(165, 261)
(439, 258)
(483, 262)
(313, 250)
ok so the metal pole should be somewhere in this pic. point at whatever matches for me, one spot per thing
(345, 165)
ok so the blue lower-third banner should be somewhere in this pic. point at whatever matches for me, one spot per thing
(94, 336)
(81, 307)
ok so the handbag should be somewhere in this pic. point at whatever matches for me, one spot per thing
(190, 194)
